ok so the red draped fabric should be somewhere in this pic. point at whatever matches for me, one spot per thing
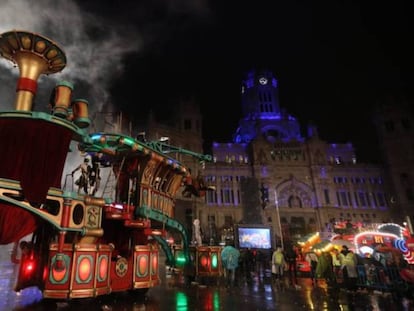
(15, 223)
(34, 153)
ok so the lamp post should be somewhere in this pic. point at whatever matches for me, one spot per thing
(278, 218)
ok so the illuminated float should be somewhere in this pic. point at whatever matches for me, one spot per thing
(82, 245)
(388, 239)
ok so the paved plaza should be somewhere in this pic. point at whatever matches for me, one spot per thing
(174, 294)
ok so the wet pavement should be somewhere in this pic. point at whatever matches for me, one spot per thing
(173, 294)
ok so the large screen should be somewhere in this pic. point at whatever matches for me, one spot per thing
(254, 237)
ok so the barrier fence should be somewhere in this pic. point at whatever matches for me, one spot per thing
(385, 279)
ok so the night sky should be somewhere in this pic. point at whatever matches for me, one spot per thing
(333, 59)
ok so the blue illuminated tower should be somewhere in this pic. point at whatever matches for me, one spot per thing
(262, 115)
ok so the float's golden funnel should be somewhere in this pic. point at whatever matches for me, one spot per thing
(80, 113)
(34, 55)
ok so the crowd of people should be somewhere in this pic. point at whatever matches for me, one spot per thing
(334, 267)
(242, 265)
(338, 268)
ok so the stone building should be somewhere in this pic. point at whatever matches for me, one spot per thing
(395, 128)
(271, 174)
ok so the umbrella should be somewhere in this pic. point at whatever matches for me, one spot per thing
(341, 243)
(230, 257)
(309, 237)
(323, 245)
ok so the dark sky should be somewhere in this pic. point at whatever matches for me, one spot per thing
(333, 59)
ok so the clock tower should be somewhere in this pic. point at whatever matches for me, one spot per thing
(262, 115)
(260, 94)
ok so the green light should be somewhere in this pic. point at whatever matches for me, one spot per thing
(214, 261)
(181, 302)
(180, 259)
(216, 301)
(128, 141)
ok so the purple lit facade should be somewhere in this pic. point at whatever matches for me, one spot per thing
(312, 183)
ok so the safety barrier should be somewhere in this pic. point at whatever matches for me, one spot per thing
(385, 279)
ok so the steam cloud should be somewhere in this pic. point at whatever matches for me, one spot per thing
(92, 62)
(94, 44)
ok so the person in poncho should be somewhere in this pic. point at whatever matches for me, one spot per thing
(278, 263)
(230, 261)
(324, 268)
(348, 263)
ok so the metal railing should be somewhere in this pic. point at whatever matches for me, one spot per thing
(385, 279)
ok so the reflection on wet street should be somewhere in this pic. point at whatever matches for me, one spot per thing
(259, 294)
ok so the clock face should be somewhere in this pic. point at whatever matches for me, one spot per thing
(263, 81)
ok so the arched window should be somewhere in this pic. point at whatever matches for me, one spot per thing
(294, 201)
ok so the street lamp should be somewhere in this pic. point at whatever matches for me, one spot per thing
(278, 218)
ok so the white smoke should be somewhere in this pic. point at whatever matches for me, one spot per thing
(94, 43)
(92, 61)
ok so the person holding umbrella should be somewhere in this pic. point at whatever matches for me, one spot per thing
(230, 261)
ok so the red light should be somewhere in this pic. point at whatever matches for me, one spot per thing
(84, 269)
(59, 269)
(59, 265)
(103, 268)
(58, 276)
(143, 265)
(154, 262)
(204, 261)
(27, 273)
(28, 269)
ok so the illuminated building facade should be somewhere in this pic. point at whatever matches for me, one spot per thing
(271, 174)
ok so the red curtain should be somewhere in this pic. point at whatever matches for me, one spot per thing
(15, 223)
(34, 153)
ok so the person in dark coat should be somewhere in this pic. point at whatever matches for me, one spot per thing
(290, 256)
(248, 262)
(312, 260)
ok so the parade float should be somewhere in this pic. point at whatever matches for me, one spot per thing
(385, 241)
(82, 245)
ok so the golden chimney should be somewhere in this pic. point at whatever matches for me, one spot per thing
(61, 99)
(34, 55)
